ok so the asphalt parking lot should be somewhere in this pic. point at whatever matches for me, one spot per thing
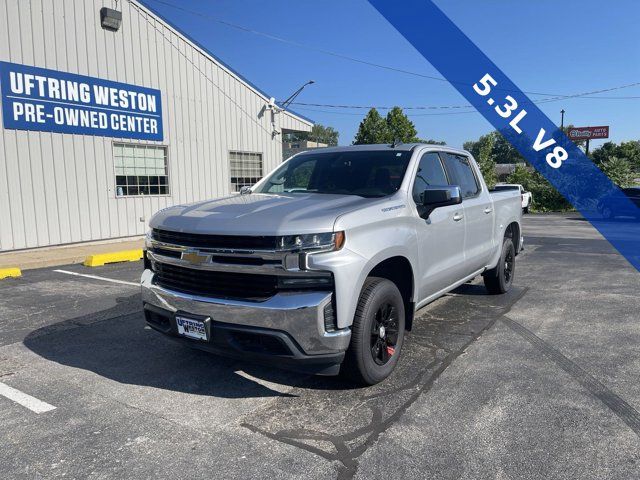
(543, 382)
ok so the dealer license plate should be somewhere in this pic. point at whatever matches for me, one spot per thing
(192, 328)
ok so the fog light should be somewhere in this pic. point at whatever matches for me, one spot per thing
(329, 317)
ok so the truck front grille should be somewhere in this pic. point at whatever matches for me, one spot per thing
(215, 284)
(239, 242)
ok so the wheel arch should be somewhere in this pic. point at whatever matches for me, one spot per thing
(398, 269)
(513, 232)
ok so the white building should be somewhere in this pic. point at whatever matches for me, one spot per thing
(102, 128)
(289, 149)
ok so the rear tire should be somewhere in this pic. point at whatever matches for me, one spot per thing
(525, 209)
(499, 279)
(377, 333)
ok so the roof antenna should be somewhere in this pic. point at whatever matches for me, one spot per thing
(396, 142)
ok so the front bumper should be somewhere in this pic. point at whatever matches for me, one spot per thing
(288, 329)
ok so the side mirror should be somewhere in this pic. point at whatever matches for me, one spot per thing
(439, 196)
(245, 190)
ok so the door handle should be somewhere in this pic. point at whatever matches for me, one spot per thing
(457, 217)
(488, 210)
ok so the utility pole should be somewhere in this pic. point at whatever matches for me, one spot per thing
(562, 120)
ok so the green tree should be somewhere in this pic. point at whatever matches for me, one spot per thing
(486, 159)
(322, 134)
(395, 126)
(619, 162)
(503, 151)
(602, 153)
(618, 170)
(399, 127)
(431, 141)
(372, 129)
(522, 176)
(630, 151)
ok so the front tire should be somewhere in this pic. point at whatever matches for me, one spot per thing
(377, 333)
(499, 279)
(525, 210)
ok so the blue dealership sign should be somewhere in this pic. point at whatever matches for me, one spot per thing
(53, 101)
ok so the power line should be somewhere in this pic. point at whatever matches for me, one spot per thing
(359, 114)
(358, 60)
(586, 95)
(430, 107)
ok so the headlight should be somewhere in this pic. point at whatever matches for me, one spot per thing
(147, 239)
(313, 241)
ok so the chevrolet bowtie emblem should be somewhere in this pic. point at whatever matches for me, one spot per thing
(195, 257)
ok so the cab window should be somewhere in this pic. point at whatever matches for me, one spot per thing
(461, 174)
(430, 172)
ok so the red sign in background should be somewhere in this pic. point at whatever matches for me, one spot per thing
(588, 133)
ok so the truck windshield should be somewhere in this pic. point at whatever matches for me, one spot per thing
(362, 173)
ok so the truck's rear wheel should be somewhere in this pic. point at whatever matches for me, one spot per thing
(377, 333)
(499, 279)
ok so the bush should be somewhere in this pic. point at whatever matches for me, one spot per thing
(545, 197)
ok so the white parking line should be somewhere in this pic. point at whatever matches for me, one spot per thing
(27, 401)
(95, 277)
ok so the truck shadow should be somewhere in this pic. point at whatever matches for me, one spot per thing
(115, 344)
(326, 416)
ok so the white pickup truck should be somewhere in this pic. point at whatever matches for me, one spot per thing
(525, 197)
(321, 265)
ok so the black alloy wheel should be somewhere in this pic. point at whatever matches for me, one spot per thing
(509, 265)
(384, 333)
(377, 333)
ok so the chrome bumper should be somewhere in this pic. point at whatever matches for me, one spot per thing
(298, 314)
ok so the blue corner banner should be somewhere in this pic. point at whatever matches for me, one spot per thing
(521, 122)
(51, 101)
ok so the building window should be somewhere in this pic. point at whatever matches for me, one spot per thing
(140, 169)
(246, 169)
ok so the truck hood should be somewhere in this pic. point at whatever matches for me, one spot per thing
(260, 214)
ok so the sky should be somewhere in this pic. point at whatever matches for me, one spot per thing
(560, 47)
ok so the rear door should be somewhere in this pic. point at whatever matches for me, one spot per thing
(441, 236)
(478, 211)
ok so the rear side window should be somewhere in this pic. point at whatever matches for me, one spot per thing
(461, 174)
(430, 172)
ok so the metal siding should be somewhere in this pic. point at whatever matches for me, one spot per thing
(60, 188)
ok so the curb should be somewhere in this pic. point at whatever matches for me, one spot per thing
(10, 273)
(102, 259)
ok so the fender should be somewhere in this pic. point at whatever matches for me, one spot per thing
(503, 230)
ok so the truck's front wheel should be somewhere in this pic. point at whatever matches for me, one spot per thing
(377, 333)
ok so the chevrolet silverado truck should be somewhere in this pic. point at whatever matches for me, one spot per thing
(321, 265)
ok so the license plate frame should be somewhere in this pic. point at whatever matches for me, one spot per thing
(193, 327)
